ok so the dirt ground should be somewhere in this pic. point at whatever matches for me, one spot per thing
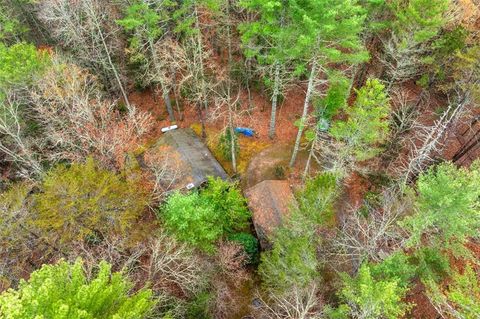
(259, 119)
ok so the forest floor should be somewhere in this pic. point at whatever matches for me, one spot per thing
(261, 158)
(250, 147)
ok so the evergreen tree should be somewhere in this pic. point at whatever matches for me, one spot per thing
(460, 298)
(416, 24)
(447, 208)
(147, 23)
(368, 298)
(201, 218)
(367, 123)
(271, 40)
(19, 63)
(291, 263)
(330, 35)
(65, 291)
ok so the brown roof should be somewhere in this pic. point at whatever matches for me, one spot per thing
(196, 159)
(270, 203)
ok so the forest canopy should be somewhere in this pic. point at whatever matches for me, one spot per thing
(343, 136)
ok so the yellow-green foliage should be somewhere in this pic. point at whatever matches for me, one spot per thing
(461, 297)
(367, 125)
(64, 291)
(248, 148)
(447, 208)
(84, 199)
(369, 298)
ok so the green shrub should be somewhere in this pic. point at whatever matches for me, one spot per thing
(20, 63)
(65, 291)
(84, 200)
(201, 218)
(192, 220)
(229, 202)
(279, 171)
(249, 244)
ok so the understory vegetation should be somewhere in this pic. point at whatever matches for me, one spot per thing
(376, 101)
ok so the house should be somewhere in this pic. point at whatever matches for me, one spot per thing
(194, 160)
(270, 202)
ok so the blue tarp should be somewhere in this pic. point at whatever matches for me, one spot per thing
(245, 131)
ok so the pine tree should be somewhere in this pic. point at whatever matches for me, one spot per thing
(460, 298)
(271, 40)
(416, 24)
(369, 298)
(330, 35)
(147, 24)
(367, 124)
(447, 208)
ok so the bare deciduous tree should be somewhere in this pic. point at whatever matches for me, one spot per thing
(162, 261)
(87, 29)
(231, 260)
(14, 143)
(164, 167)
(403, 58)
(372, 234)
(297, 303)
(78, 121)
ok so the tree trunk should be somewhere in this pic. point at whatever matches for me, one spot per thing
(229, 92)
(199, 50)
(158, 71)
(276, 92)
(250, 103)
(421, 155)
(199, 57)
(109, 58)
(175, 94)
(310, 155)
(305, 113)
(168, 102)
(232, 146)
